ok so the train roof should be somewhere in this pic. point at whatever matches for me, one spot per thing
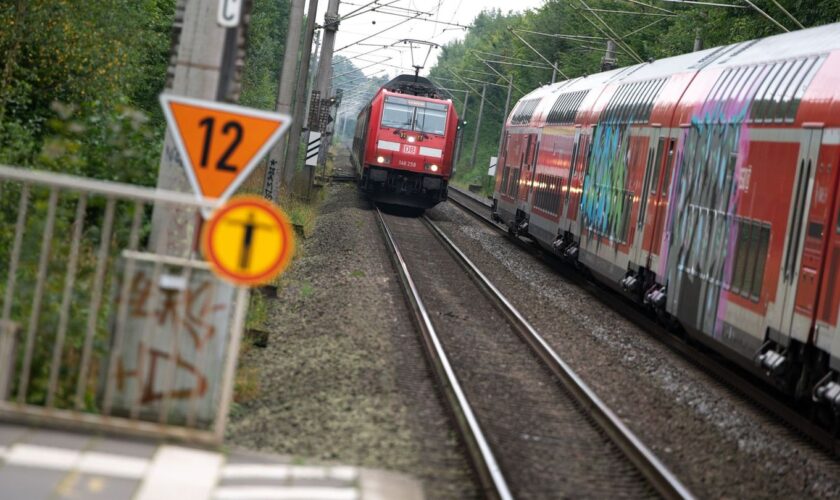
(413, 85)
(811, 41)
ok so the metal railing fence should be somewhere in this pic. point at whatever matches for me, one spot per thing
(102, 324)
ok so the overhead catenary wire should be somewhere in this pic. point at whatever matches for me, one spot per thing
(423, 20)
(562, 35)
(468, 84)
(637, 2)
(617, 38)
(558, 70)
(519, 59)
(508, 79)
(788, 14)
(707, 4)
(631, 12)
(642, 28)
(375, 34)
(768, 16)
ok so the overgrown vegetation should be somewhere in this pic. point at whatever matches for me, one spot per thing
(656, 31)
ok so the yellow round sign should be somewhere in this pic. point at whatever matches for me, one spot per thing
(248, 241)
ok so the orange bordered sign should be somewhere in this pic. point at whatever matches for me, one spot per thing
(220, 144)
(248, 241)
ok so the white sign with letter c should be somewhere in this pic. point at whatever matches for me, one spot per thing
(230, 12)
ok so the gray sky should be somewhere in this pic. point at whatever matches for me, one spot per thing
(452, 11)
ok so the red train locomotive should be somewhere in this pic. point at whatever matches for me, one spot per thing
(706, 187)
(404, 143)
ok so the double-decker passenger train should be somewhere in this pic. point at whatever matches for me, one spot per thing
(404, 143)
(706, 187)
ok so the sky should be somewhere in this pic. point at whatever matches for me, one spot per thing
(355, 29)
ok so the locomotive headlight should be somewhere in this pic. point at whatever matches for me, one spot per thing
(433, 167)
(380, 159)
(411, 138)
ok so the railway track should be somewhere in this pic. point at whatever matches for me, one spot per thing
(726, 373)
(531, 426)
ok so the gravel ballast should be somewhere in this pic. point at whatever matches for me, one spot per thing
(343, 378)
(719, 445)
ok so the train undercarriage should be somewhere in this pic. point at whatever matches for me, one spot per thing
(400, 187)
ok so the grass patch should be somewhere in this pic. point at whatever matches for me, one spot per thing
(257, 312)
(357, 273)
(306, 289)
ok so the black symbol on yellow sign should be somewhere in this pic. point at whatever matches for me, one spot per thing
(248, 241)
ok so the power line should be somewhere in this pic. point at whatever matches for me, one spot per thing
(563, 35)
(538, 53)
(788, 14)
(375, 34)
(617, 39)
(505, 57)
(708, 4)
(642, 28)
(768, 16)
(637, 2)
(631, 12)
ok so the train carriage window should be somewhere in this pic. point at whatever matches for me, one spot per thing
(800, 85)
(771, 100)
(753, 243)
(737, 81)
(769, 77)
(716, 95)
(760, 259)
(838, 221)
(637, 101)
(397, 113)
(657, 165)
(742, 243)
(762, 107)
(782, 96)
(432, 121)
(669, 167)
(748, 82)
(756, 75)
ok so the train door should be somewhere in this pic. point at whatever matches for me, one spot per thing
(830, 310)
(523, 190)
(567, 189)
(531, 167)
(652, 168)
(793, 272)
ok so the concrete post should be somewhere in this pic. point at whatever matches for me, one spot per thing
(459, 141)
(288, 81)
(609, 60)
(478, 125)
(301, 94)
(698, 40)
(324, 76)
(204, 61)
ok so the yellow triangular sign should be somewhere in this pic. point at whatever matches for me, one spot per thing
(220, 144)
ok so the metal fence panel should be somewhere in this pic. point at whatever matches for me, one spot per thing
(101, 326)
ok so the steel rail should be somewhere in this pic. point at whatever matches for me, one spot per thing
(484, 460)
(645, 461)
(728, 375)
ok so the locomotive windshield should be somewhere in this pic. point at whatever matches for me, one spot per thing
(409, 114)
